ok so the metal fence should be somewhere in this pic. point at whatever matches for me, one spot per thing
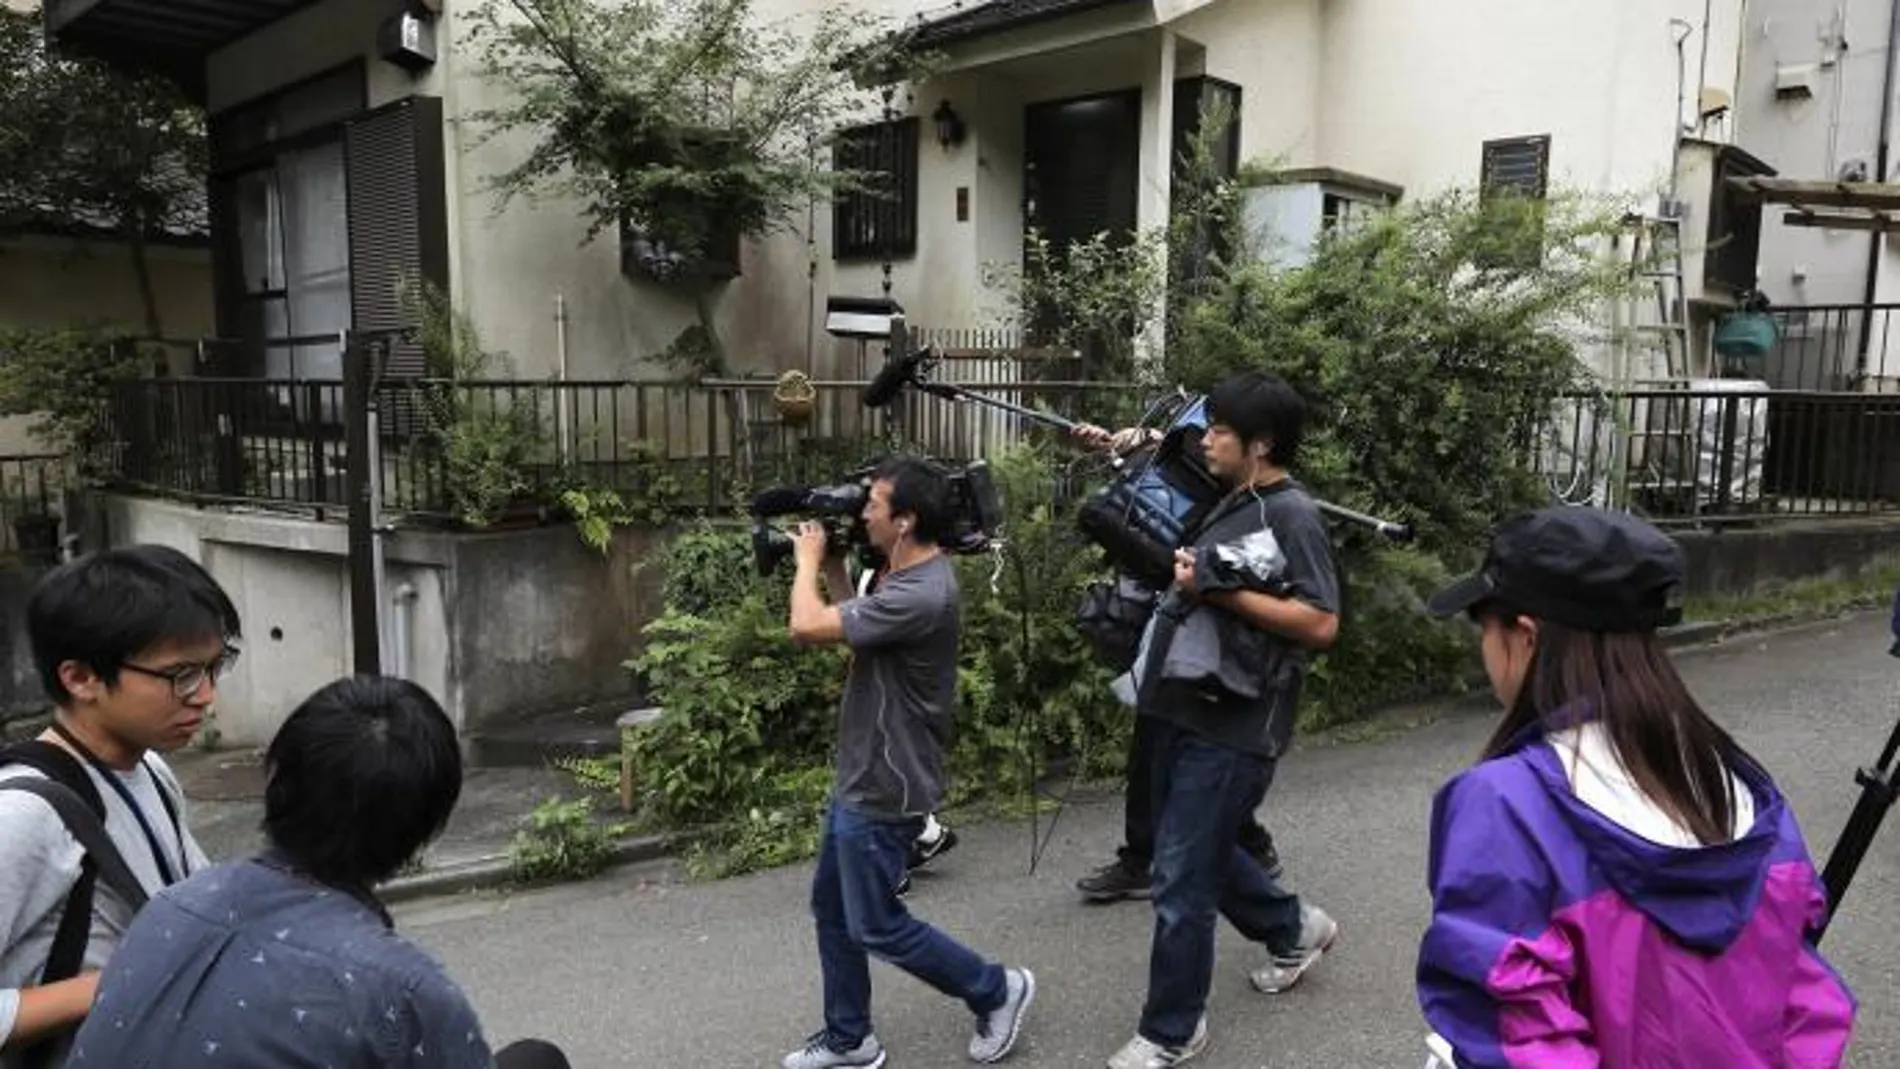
(704, 446)
(1725, 455)
(1830, 347)
(32, 488)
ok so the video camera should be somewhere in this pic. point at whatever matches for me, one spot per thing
(975, 507)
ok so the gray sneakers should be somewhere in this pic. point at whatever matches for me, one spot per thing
(995, 1036)
(1144, 1053)
(1284, 968)
(817, 1053)
(996, 1030)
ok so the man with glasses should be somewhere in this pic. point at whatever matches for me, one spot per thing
(130, 645)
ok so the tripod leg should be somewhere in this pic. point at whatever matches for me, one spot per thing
(1880, 785)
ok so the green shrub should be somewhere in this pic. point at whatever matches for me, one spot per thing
(563, 840)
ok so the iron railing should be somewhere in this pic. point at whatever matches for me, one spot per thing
(32, 491)
(702, 447)
(1728, 455)
(1831, 347)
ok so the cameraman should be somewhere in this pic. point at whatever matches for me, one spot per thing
(1128, 875)
(893, 723)
(1220, 673)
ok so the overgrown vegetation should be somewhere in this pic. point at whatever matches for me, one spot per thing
(86, 148)
(499, 454)
(690, 124)
(61, 377)
(562, 839)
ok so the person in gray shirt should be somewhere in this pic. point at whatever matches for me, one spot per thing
(129, 644)
(287, 960)
(894, 722)
(1219, 674)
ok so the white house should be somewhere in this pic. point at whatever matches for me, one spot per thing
(340, 162)
(343, 160)
(1816, 102)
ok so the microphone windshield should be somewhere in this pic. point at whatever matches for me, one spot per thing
(892, 378)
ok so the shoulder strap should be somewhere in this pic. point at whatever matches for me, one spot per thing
(59, 765)
(85, 826)
(64, 962)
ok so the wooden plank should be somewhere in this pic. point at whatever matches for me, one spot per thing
(1878, 196)
(1877, 221)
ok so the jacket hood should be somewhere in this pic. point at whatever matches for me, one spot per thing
(1703, 896)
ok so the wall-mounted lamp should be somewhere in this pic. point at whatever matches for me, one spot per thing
(408, 38)
(950, 128)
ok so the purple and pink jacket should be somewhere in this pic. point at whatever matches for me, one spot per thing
(1561, 940)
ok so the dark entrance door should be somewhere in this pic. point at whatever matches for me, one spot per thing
(1080, 168)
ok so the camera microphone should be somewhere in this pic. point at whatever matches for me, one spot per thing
(893, 377)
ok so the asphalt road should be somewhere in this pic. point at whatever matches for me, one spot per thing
(641, 968)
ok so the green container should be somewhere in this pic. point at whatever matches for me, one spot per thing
(1744, 339)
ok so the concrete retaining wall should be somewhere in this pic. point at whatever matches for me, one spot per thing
(498, 625)
(1736, 561)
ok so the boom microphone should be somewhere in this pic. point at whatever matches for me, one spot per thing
(893, 377)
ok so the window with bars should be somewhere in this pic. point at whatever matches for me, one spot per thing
(879, 220)
(1519, 165)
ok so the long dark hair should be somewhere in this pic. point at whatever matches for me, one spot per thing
(1680, 758)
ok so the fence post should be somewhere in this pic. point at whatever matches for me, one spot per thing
(365, 585)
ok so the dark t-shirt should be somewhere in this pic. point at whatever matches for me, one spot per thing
(1263, 726)
(900, 697)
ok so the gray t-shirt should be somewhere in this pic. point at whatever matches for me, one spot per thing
(1263, 726)
(40, 862)
(900, 697)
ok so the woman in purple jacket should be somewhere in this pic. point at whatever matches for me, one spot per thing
(1617, 883)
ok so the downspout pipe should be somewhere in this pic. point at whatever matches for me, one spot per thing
(1876, 239)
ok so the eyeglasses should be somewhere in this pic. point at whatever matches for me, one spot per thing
(186, 679)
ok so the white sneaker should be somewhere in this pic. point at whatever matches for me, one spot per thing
(1144, 1053)
(817, 1053)
(1282, 971)
(996, 1030)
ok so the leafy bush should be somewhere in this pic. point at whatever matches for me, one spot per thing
(744, 703)
(1030, 689)
(563, 840)
(61, 378)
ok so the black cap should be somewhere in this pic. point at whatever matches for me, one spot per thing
(1586, 568)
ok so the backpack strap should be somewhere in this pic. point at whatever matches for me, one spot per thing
(86, 827)
(71, 793)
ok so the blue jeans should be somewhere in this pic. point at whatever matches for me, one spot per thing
(854, 899)
(1202, 792)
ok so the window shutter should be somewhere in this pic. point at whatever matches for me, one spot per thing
(398, 218)
(1519, 165)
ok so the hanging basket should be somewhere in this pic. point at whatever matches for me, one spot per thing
(795, 398)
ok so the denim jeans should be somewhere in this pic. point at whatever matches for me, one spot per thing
(854, 899)
(1138, 809)
(1202, 792)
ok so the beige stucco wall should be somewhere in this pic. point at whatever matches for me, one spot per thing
(1410, 89)
(57, 282)
(1403, 90)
